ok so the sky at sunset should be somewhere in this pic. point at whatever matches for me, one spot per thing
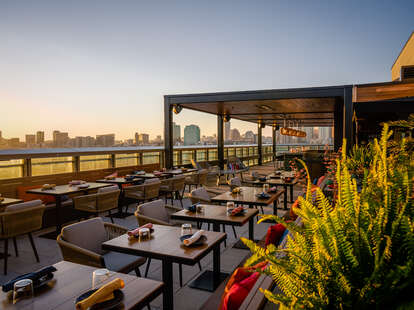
(92, 67)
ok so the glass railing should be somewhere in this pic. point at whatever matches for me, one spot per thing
(28, 163)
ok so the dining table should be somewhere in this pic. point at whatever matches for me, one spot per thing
(8, 201)
(165, 244)
(72, 280)
(59, 191)
(218, 215)
(274, 181)
(249, 195)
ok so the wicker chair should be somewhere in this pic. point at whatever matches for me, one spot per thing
(173, 186)
(144, 192)
(157, 212)
(196, 179)
(81, 243)
(20, 219)
(105, 200)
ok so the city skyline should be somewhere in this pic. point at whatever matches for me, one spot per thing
(63, 72)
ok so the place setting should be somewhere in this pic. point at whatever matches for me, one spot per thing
(190, 239)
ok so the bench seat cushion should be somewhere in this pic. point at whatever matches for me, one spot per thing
(120, 262)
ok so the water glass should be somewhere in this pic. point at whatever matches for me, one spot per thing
(186, 229)
(22, 289)
(99, 276)
(265, 187)
(229, 206)
(144, 233)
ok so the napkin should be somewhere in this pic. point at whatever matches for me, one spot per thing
(237, 210)
(136, 230)
(76, 182)
(101, 294)
(48, 186)
(34, 276)
(193, 238)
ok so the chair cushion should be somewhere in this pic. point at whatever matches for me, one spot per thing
(155, 209)
(24, 205)
(108, 189)
(274, 234)
(200, 193)
(151, 181)
(235, 181)
(120, 262)
(239, 285)
(89, 234)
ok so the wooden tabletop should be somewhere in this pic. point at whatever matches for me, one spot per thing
(71, 280)
(179, 171)
(247, 196)
(273, 182)
(120, 180)
(165, 243)
(9, 201)
(66, 189)
(214, 213)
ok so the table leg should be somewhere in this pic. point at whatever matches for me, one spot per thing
(121, 202)
(216, 227)
(291, 193)
(275, 207)
(285, 197)
(251, 228)
(167, 278)
(216, 265)
(58, 219)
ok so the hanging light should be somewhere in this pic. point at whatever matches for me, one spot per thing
(226, 118)
(177, 108)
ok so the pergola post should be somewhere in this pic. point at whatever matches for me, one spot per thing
(168, 133)
(220, 141)
(347, 121)
(338, 124)
(259, 144)
(274, 129)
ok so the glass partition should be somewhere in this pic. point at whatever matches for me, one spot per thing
(150, 158)
(10, 169)
(94, 162)
(125, 160)
(51, 165)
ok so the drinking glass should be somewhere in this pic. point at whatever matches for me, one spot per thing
(186, 229)
(99, 276)
(229, 206)
(22, 289)
(144, 233)
(265, 187)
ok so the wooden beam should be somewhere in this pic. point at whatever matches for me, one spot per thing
(384, 91)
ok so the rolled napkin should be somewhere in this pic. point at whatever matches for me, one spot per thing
(273, 189)
(48, 186)
(237, 210)
(193, 238)
(76, 182)
(101, 294)
(34, 276)
(136, 231)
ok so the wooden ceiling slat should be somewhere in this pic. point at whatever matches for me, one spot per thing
(383, 91)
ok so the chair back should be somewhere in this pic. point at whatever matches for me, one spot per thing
(154, 209)
(22, 218)
(152, 189)
(86, 203)
(199, 195)
(178, 183)
(107, 200)
(89, 234)
(202, 177)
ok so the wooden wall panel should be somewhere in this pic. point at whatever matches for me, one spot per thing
(406, 58)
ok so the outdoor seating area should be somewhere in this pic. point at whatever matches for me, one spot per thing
(99, 239)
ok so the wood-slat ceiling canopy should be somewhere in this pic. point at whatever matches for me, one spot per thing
(300, 106)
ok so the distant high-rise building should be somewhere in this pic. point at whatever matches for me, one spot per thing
(227, 128)
(136, 138)
(191, 135)
(143, 138)
(60, 138)
(105, 140)
(30, 140)
(249, 136)
(234, 134)
(40, 137)
(176, 132)
(14, 142)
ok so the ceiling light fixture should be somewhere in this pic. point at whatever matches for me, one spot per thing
(177, 108)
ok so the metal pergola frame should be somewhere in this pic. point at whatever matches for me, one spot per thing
(342, 112)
